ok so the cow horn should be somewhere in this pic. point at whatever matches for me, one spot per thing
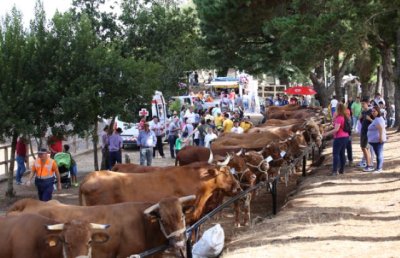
(55, 227)
(240, 152)
(99, 226)
(263, 149)
(225, 162)
(151, 209)
(302, 146)
(283, 141)
(211, 158)
(187, 198)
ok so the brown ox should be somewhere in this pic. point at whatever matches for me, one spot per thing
(296, 114)
(133, 168)
(191, 154)
(34, 236)
(310, 130)
(291, 107)
(134, 227)
(105, 187)
(247, 179)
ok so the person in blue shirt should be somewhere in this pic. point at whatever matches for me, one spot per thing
(115, 147)
(146, 141)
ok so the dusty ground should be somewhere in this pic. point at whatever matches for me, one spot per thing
(352, 215)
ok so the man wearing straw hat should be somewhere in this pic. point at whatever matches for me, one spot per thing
(44, 169)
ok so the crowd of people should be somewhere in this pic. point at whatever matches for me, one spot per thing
(368, 119)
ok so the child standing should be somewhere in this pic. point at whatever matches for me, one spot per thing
(73, 167)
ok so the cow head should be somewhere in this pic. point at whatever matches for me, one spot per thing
(255, 161)
(315, 131)
(223, 178)
(77, 237)
(171, 217)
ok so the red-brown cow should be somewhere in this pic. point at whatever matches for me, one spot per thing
(34, 236)
(134, 168)
(105, 187)
(134, 227)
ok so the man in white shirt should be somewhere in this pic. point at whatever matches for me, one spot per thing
(190, 115)
(378, 98)
(158, 130)
(236, 128)
(210, 136)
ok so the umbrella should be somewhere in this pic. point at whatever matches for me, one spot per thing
(300, 90)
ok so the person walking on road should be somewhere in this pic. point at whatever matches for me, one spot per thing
(22, 157)
(158, 130)
(146, 141)
(340, 139)
(105, 155)
(115, 147)
(44, 169)
(173, 131)
(365, 122)
(377, 136)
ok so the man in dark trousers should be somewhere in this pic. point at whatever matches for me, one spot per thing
(44, 169)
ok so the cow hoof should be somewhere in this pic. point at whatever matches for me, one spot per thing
(237, 225)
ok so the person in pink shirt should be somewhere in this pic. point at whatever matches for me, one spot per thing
(340, 141)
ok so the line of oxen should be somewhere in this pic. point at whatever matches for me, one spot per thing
(135, 208)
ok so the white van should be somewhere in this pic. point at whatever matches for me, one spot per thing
(130, 133)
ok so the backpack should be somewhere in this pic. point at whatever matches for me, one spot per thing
(347, 125)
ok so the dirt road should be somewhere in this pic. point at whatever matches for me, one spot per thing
(352, 215)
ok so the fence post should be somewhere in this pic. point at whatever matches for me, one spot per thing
(274, 193)
(189, 246)
(304, 165)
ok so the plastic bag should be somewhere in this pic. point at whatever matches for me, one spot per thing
(210, 244)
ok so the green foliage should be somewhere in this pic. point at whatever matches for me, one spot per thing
(166, 35)
(176, 105)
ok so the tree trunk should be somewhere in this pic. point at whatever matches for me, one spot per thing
(338, 78)
(10, 177)
(317, 78)
(323, 92)
(387, 75)
(95, 138)
(338, 72)
(397, 88)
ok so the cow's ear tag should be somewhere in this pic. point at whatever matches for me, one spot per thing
(283, 153)
(268, 159)
(52, 243)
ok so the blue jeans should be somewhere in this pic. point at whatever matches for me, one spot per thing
(146, 154)
(339, 157)
(171, 141)
(115, 157)
(333, 110)
(20, 169)
(349, 150)
(354, 122)
(378, 149)
(201, 142)
(45, 188)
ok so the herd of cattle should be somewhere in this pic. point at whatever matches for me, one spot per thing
(135, 208)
